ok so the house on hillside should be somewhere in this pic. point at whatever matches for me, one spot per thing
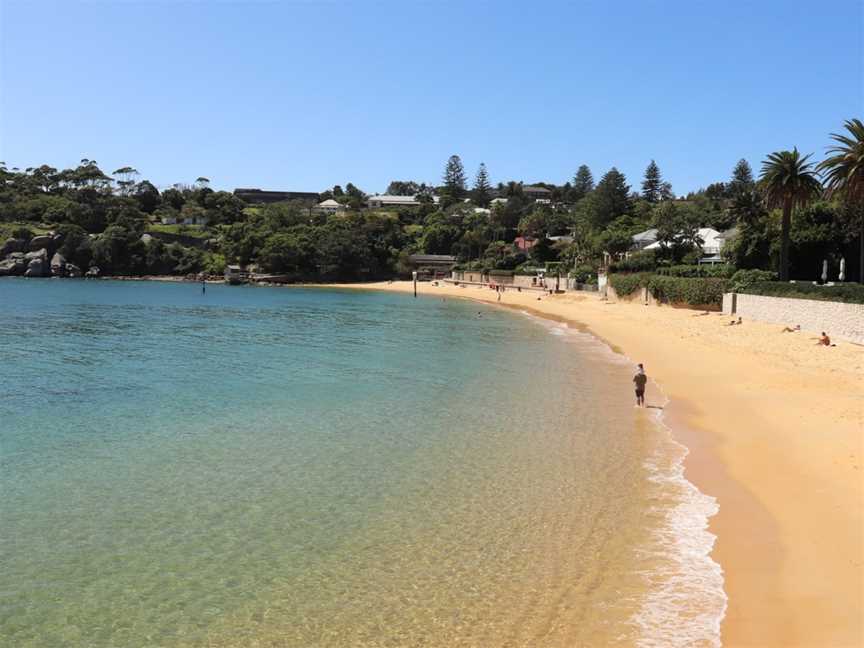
(329, 206)
(185, 219)
(540, 194)
(712, 244)
(524, 243)
(387, 200)
(644, 239)
(258, 196)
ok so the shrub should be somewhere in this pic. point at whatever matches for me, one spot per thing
(644, 261)
(849, 293)
(582, 274)
(723, 271)
(701, 291)
(627, 284)
(743, 279)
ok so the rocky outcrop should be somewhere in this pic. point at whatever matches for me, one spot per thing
(12, 267)
(43, 241)
(41, 254)
(93, 272)
(58, 265)
(36, 268)
(35, 263)
(16, 260)
(12, 245)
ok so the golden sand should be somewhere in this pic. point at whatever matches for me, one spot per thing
(775, 425)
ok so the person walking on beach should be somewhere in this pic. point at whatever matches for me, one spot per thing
(639, 380)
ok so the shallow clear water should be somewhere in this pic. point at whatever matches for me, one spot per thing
(290, 467)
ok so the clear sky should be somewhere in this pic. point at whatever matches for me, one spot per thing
(301, 96)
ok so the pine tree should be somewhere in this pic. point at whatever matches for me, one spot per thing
(583, 183)
(454, 181)
(652, 185)
(611, 198)
(482, 188)
(742, 178)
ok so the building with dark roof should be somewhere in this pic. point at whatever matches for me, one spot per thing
(259, 196)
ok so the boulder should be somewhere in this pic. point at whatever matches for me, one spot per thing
(36, 268)
(93, 271)
(17, 256)
(43, 241)
(41, 254)
(12, 245)
(58, 265)
(12, 267)
(72, 270)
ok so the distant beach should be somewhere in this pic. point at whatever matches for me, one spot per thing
(775, 429)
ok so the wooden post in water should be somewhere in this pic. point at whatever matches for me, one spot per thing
(414, 274)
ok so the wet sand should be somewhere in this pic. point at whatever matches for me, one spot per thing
(775, 427)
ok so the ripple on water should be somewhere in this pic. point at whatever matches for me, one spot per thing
(317, 468)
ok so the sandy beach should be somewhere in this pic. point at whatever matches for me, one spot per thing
(775, 427)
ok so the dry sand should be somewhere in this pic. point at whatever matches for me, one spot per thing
(775, 426)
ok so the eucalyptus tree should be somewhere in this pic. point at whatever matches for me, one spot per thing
(844, 176)
(788, 181)
(126, 180)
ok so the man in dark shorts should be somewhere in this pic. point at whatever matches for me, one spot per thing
(639, 380)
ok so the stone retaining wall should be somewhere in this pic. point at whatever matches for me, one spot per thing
(837, 319)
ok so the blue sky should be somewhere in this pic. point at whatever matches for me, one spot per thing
(301, 96)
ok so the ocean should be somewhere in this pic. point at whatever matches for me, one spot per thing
(297, 467)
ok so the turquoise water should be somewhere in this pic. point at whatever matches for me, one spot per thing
(292, 467)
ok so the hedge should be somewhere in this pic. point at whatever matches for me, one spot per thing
(849, 293)
(638, 262)
(704, 291)
(721, 270)
(674, 290)
(627, 284)
(742, 279)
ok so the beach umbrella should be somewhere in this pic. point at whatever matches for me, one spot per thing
(824, 270)
(842, 276)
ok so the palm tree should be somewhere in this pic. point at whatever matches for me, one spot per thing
(788, 181)
(844, 174)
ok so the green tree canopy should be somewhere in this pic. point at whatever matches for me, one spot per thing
(482, 188)
(844, 176)
(788, 181)
(583, 183)
(652, 185)
(454, 181)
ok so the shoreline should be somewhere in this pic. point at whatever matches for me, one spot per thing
(774, 432)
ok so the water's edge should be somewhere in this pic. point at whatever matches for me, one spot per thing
(665, 617)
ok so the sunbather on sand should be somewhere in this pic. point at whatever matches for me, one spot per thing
(824, 340)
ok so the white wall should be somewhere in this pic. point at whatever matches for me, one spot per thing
(845, 321)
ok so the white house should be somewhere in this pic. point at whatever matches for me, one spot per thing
(712, 244)
(329, 206)
(188, 219)
(385, 200)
